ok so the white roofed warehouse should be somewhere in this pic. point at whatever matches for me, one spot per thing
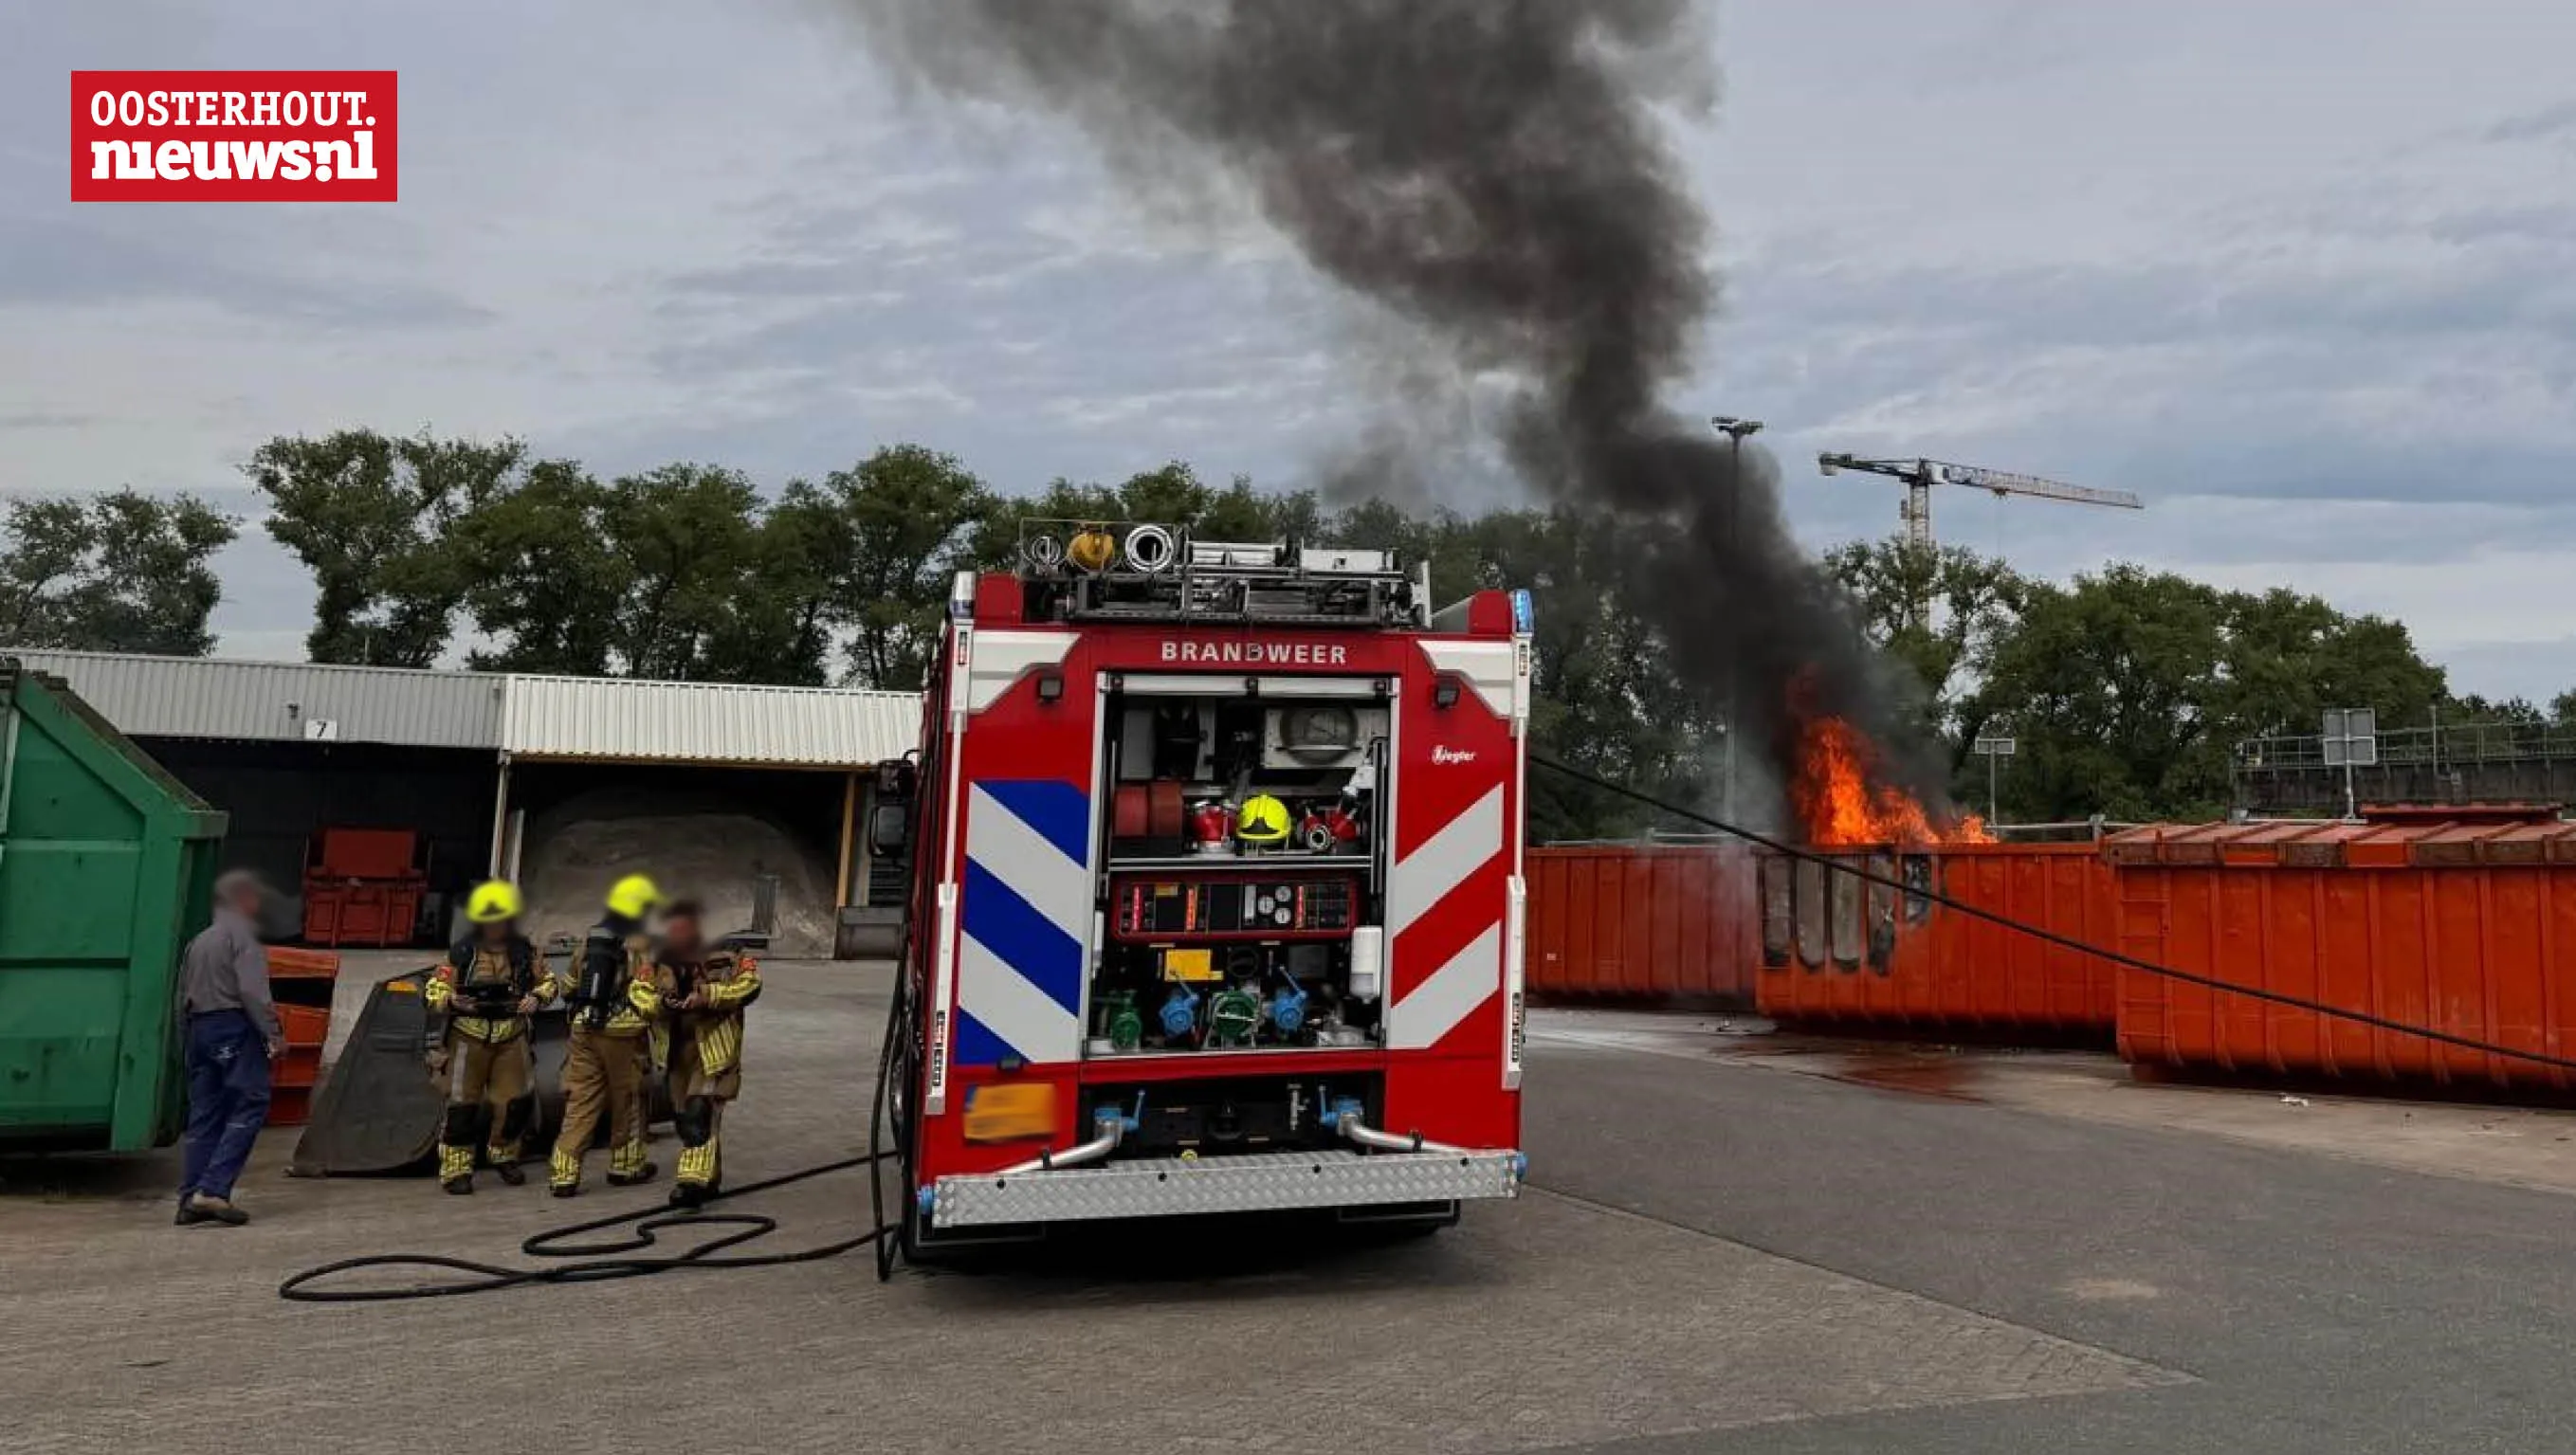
(751, 798)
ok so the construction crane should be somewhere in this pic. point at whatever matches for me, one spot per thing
(1921, 475)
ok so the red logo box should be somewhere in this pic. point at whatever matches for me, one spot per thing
(233, 136)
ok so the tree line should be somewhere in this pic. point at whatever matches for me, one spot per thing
(122, 572)
(2125, 690)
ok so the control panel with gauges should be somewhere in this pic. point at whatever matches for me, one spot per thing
(1235, 908)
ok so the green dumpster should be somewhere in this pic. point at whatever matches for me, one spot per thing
(107, 864)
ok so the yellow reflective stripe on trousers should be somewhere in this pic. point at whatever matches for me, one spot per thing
(454, 1162)
(564, 1170)
(698, 1164)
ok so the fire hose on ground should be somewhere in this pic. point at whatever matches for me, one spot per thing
(628, 1256)
(606, 1260)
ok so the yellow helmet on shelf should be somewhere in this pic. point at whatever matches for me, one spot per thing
(1264, 820)
(1092, 549)
(493, 901)
(633, 897)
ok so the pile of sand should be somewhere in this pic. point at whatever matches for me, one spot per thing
(705, 848)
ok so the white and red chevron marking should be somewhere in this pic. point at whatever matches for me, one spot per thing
(1448, 892)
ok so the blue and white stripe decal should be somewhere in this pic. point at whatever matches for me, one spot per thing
(1025, 915)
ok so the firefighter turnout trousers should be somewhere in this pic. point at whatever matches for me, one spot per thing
(489, 1082)
(604, 1073)
(698, 1098)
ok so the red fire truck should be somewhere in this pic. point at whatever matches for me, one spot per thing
(1217, 897)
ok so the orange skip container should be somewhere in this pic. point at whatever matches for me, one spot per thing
(2459, 924)
(1839, 953)
(1651, 922)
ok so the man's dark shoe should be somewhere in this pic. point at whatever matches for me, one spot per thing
(458, 1186)
(511, 1174)
(636, 1178)
(200, 1209)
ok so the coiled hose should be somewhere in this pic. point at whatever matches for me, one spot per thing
(629, 1256)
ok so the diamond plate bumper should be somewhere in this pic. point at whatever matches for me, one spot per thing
(1256, 1182)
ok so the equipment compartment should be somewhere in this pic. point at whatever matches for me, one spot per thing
(1243, 871)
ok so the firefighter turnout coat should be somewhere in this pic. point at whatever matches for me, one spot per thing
(701, 1047)
(704, 1044)
(476, 978)
(487, 1068)
(604, 1066)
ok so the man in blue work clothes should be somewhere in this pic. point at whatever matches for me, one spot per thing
(233, 1035)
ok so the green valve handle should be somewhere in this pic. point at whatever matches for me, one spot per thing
(1126, 1027)
(1232, 1016)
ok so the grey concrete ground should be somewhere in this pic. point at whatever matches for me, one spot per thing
(1729, 1245)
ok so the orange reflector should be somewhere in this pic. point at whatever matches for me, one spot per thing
(402, 987)
(1008, 1112)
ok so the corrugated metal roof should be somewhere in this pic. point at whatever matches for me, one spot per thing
(530, 716)
(198, 697)
(705, 722)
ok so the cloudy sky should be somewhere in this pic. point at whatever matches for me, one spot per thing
(2302, 272)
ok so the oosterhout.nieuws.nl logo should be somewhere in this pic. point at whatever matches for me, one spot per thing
(233, 136)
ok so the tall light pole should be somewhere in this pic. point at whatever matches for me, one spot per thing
(1735, 430)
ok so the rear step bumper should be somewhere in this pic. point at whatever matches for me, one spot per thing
(1253, 1182)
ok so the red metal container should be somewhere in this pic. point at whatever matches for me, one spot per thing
(299, 977)
(1838, 952)
(2462, 927)
(305, 1025)
(363, 886)
(296, 1066)
(288, 963)
(379, 915)
(365, 853)
(1667, 922)
(290, 1106)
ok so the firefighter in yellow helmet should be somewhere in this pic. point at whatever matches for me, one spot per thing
(488, 986)
(604, 1067)
(696, 997)
(1263, 823)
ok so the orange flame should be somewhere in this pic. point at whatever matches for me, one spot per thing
(1839, 804)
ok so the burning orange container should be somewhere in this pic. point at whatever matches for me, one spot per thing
(2462, 925)
(1839, 952)
(1663, 922)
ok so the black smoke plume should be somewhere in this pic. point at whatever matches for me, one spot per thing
(1496, 175)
